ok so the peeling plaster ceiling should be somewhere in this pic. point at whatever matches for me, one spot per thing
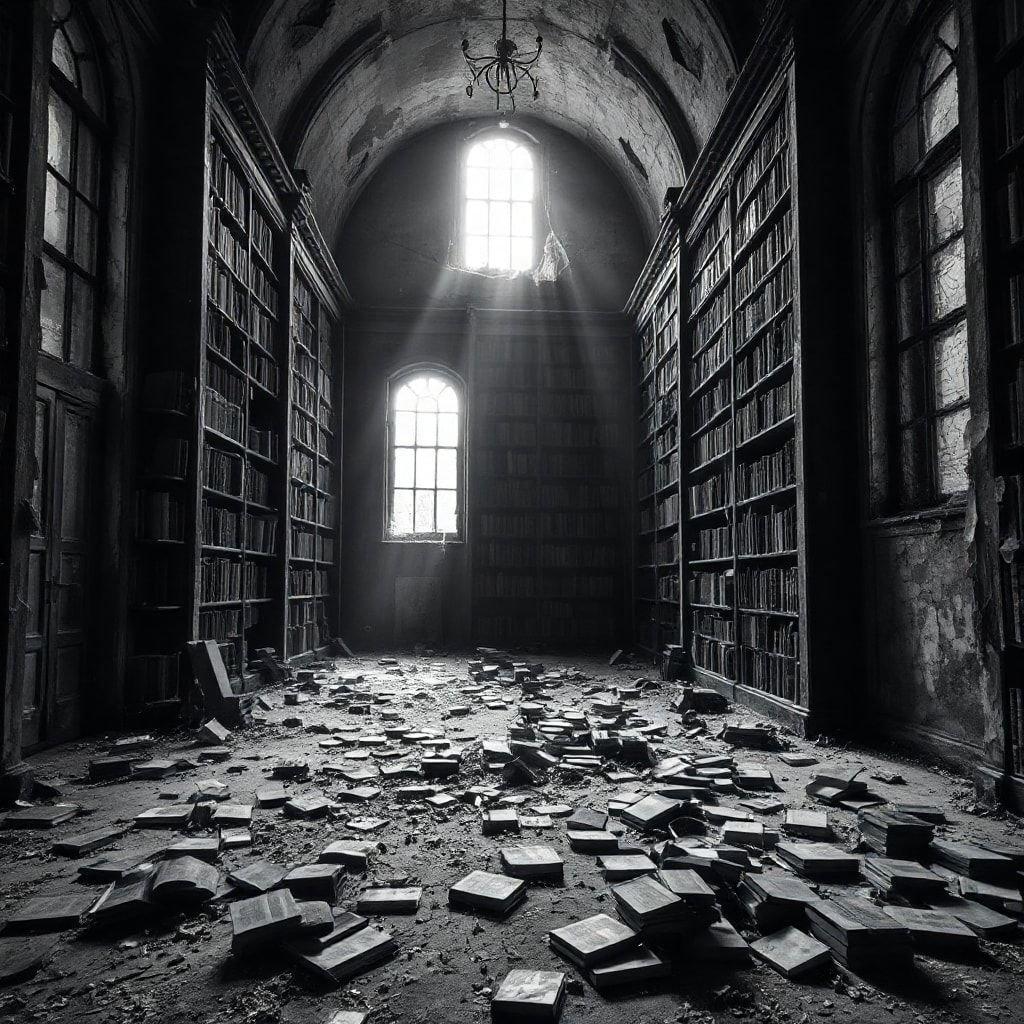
(344, 83)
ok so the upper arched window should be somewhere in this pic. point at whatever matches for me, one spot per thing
(68, 303)
(930, 330)
(499, 197)
(425, 428)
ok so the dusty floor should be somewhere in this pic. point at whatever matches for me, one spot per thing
(181, 968)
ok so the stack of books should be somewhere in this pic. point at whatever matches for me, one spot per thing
(935, 930)
(352, 955)
(902, 877)
(640, 964)
(774, 901)
(973, 861)
(859, 934)
(819, 860)
(493, 894)
(655, 912)
(593, 941)
(895, 835)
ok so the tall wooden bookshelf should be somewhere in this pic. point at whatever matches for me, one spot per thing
(658, 432)
(1002, 58)
(242, 283)
(547, 511)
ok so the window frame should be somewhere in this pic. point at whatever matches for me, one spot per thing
(533, 147)
(913, 184)
(97, 121)
(394, 384)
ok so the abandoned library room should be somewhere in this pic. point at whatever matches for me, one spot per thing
(512, 511)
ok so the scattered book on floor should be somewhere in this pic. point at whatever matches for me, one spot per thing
(982, 920)
(973, 861)
(322, 881)
(533, 863)
(586, 819)
(487, 892)
(792, 952)
(351, 956)
(652, 812)
(594, 940)
(185, 880)
(261, 920)
(860, 935)
(176, 816)
(529, 996)
(48, 913)
(901, 836)
(86, 842)
(592, 842)
(719, 943)
(903, 877)
(389, 900)
(935, 931)
(127, 899)
(818, 860)
(631, 968)
(774, 901)
(258, 877)
(306, 943)
(620, 866)
(44, 816)
(353, 853)
(807, 824)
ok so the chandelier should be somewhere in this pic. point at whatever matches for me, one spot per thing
(506, 68)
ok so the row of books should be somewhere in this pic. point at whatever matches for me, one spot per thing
(261, 534)
(528, 585)
(227, 579)
(309, 582)
(257, 485)
(227, 182)
(711, 444)
(768, 473)
(167, 391)
(262, 236)
(712, 493)
(504, 554)
(264, 330)
(222, 471)
(304, 430)
(224, 337)
(305, 365)
(225, 624)
(715, 234)
(709, 361)
(311, 506)
(774, 636)
(660, 475)
(667, 376)
(710, 403)
(766, 355)
(227, 293)
(763, 411)
(302, 466)
(667, 512)
(766, 532)
(222, 415)
(710, 320)
(668, 587)
(666, 307)
(763, 201)
(765, 303)
(231, 249)
(710, 274)
(153, 678)
(264, 442)
(764, 256)
(264, 370)
(264, 289)
(167, 458)
(713, 542)
(774, 137)
(775, 588)
(666, 339)
(713, 655)
(660, 552)
(159, 515)
(310, 545)
(710, 588)
(714, 626)
(304, 395)
(220, 526)
(777, 674)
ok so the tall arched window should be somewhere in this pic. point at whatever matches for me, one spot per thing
(499, 193)
(930, 330)
(73, 171)
(424, 456)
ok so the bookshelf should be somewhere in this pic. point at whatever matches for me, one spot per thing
(547, 511)
(659, 432)
(242, 285)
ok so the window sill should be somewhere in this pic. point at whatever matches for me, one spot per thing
(954, 509)
(432, 541)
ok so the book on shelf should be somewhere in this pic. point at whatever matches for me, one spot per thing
(222, 471)
(159, 515)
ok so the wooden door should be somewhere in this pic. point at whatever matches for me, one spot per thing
(56, 649)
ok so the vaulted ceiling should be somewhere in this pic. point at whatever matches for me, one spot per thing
(344, 83)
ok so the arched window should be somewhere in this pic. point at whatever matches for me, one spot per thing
(930, 330)
(424, 456)
(498, 217)
(73, 172)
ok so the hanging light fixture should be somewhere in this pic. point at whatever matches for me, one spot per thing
(506, 68)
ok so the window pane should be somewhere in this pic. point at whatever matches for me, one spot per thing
(951, 451)
(501, 219)
(405, 428)
(476, 252)
(476, 217)
(950, 366)
(500, 182)
(424, 511)
(425, 467)
(81, 322)
(85, 237)
(945, 204)
(521, 159)
(908, 307)
(59, 146)
(448, 429)
(448, 400)
(51, 312)
(522, 219)
(908, 235)
(401, 519)
(913, 477)
(63, 57)
(476, 183)
(446, 508)
(522, 253)
(913, 383)
(522, 184)
(478, 156)
(405, 467)
(55, 223)
(498, 257)
(946, 278)
(941, 113)
(447, 469)
(426, 428)
(938, 60)
(406, 398)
